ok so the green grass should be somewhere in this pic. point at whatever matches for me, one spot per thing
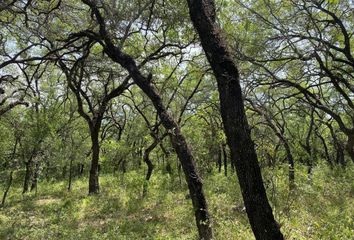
(321, 208)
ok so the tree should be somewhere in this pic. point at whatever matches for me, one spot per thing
(145, 83)
(237, 131)
(311, 55)
(84, 86)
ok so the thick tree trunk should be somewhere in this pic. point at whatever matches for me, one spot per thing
(235, 122)
(94, 187)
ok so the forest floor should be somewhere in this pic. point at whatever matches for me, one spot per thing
(319, 208)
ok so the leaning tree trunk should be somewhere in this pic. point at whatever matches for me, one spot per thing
(179, 143)
(9, 183)
(94, 186)
(264, 226)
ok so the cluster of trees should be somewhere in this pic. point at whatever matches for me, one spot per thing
(102, 86)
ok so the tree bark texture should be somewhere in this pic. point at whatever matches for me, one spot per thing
(264, 226)
(94, 187)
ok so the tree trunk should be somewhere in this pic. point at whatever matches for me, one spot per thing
(149, 164)
(350, 146)
(9, 183)
(235, 122)
(70, 172)
(28, 174)
(35, 178)
(338, 146)
(340, 154)
(290, 159)
(178, 141)
(326, 153)
(219, 163)
(94, 187)
(225, 159)
(184, 154)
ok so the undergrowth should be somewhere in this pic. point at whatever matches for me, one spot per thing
(319, 208)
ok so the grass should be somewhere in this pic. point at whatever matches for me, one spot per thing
(319, 208)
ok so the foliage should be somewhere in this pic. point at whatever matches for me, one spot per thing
(320, 208)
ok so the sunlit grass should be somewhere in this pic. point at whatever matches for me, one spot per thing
(319, 208)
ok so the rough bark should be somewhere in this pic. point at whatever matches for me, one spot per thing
(235, 122)
(94, 187)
